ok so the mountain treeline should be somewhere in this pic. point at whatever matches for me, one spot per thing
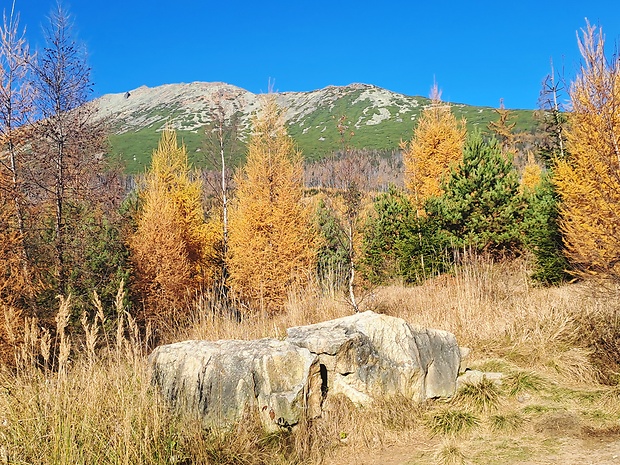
(240, 248)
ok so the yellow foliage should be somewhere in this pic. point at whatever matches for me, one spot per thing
(532, 175)
(12, 279)
(437, 144)
(503, 128)
(271, 242)
(173, 249)
(589, 180)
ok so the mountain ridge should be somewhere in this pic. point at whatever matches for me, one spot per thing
(378, 118)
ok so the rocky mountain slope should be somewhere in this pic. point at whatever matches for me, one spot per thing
(378, 118)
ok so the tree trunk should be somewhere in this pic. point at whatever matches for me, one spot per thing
(59, 198)
(351, 252)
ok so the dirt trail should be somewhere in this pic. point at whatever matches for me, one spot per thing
(585, 452)
(566, 451)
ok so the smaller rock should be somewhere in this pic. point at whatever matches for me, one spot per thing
(465, 353)
(476, 376)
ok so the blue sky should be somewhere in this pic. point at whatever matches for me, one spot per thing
(477, 51)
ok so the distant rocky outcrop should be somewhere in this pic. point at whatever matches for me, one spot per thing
(189, 107)
(364, 357)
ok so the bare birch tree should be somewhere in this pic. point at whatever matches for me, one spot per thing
(16, 105)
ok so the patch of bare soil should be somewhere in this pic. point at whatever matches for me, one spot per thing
(395, 454)
(601, 449)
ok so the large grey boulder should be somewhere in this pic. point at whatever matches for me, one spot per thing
(364, 356)
(223, 380)
(369, 355)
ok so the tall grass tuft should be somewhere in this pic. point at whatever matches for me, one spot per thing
(451, 422)
(449, 453)
(63, 340)
(523, 381)
(482, 396)
(506, 422)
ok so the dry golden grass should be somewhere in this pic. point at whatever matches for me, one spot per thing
(84, 395)
(495, 310)
(304, 306)
(61, 406)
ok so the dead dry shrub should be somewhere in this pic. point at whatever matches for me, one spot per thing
(611, 431)
(245, 443)
(399, 413)
(599, 330)
(344, 424)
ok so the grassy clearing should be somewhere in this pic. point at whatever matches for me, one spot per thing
(83, 395)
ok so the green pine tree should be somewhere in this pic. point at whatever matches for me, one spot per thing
(332, 254)
(543, 237)
(391, 221)
(399, 244)
(481, 207)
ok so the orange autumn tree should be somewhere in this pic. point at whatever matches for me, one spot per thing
(172, 250)
(271, 241)
(16, 105)
(437, 144)
(588, 181)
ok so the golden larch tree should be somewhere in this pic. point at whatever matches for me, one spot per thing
(588, 181)
(532, 175)
(13, 280)
(503, 128)
(271, 241)
(16, 106)
(437, 144)
(173, 248)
